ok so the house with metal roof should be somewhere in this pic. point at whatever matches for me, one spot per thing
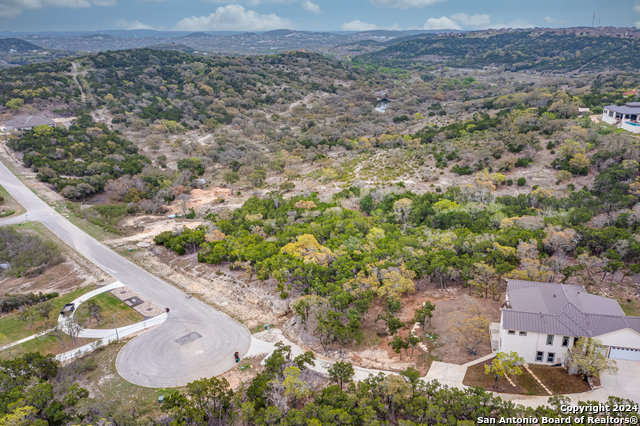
(28, 122)
(541, 321)
(625, 116)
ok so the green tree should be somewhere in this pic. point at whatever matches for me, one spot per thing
(15, 103)
(413, 341)
(230, 178)
(294, 386)
(341, 373)
(193, 164)
(589, 356)
(422, 313)
(44, 309)
(503, 364)
(398, 344)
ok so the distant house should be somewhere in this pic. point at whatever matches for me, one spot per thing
(28, 122)
(631, 93)
(541, 321)
(625, 116)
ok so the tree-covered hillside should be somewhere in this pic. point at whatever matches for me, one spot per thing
(517, 51)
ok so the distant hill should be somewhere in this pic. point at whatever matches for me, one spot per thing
(514, 51)
(197, 35)
(276, 33)
(6, 44)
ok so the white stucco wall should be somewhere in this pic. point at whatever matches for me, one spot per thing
(626, 338)
(527, 346)
(607, 119)
(629, 127)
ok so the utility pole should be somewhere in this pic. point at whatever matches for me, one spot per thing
(115, 326)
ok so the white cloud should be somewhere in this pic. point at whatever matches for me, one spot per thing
(636, 8)
(442, 23)
(638, 24)
(104, 2)
(404, 4)
(233, 17)
(358, 25)
(132, 25)
(549, 20)
(310, 7)
(476, 21)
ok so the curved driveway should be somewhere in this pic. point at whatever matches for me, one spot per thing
(195, 341)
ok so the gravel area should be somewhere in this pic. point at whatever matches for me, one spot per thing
(146, 309)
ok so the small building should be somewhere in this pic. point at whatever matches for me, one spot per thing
(28, 122)
(630, 93)
(614, 114)
(541, 321)
(68, 308)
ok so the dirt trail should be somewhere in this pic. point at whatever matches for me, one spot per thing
(74, 74)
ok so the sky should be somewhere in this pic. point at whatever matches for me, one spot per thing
(311, 15)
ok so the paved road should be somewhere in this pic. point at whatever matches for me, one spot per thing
(195, 341)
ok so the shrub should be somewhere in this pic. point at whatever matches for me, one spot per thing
(466, 170)
(523, 162)
(26, 252)
(510, 182)
(522, 181)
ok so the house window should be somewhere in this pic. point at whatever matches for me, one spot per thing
(539, 356)
(565, 341)
(511, 332)
(523, 333)
(610, 113)
(551, 357)
(550, 339)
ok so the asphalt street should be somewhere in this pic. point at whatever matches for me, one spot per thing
(195, 341)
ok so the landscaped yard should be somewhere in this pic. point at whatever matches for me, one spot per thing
(525, 384)
(45, 345)
(13, 329)
(110, 305)
(556, 379)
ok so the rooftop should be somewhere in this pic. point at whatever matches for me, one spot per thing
(563, 309)
(628, 108)
(29, 121)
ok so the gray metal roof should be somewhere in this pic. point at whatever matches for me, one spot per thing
(562, 309)
(629, 108)
(29, 121)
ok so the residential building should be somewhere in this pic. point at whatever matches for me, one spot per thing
(625, 116)
(541, 321)
(28, 122)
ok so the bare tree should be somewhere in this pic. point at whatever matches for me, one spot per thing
(73, 328)
(26, 315)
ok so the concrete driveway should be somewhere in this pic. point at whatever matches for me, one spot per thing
(195, 341)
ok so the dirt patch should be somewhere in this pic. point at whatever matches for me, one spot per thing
(243, 372)
(199, 198)
(449, 352)
(146, 228)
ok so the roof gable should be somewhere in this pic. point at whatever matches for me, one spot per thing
(562, 309)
